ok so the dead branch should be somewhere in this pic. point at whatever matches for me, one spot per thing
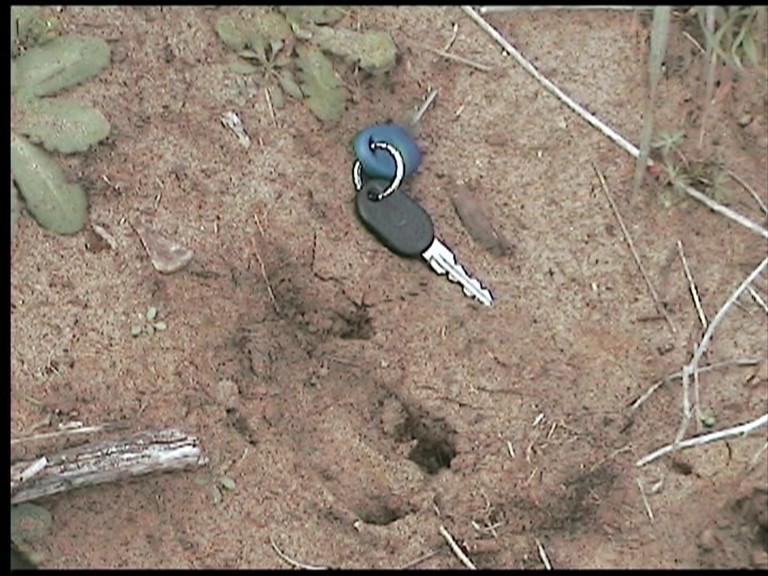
(88, 465)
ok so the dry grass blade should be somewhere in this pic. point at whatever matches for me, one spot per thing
(456, 548)
(291, 561)
(656, 301)
(591, 119)
(498, 9)
(710, 64)
(659, 35)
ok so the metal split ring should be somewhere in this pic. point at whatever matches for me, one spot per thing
(357, 171)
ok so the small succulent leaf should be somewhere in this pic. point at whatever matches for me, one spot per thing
(276, 96)
(326, 97)
(62, 125)
(374, 51)
(56, 204)
(254, 28)
(289, 84)
(244, 68)
(63, 62)
(312, 14)
(29, 523)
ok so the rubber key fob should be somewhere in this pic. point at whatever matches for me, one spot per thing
(379, 164)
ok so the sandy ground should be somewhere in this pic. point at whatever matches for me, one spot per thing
(370, 403)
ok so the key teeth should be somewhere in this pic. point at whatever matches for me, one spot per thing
(482, 294)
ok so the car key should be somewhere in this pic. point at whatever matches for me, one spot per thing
(403, 226)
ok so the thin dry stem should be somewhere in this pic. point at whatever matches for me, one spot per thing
(269, 105)
(692, 286)
(543, 555)
(705, 340)
(617, 138)
(656, 301)
(418, 560)
(502, 9)
(456, 549)
(452, 39)
(756, 297)
(749, 189)
(291, 561)
(82, 430)
(460, 59)
(263, 270)
(646, 504)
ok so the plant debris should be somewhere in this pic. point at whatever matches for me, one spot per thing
(167, 255)
(232, 121)
(475, 219)
(56, 204)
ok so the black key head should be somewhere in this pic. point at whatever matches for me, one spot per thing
(397, 221)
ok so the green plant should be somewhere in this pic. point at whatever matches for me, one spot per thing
(29, 523)
(216, 477)
(44, 64)
(149, 324)
(733, 33)
(286, 51)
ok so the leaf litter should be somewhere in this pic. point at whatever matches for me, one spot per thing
(167, 256)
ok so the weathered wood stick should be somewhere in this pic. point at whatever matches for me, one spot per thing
(89, 465)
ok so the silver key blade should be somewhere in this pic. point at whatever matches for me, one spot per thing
(443, 261)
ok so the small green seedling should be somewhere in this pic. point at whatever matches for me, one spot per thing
(708, 418)
(218, 481)
(288, 51)
(149, 324)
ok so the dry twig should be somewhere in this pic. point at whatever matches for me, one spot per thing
(456, 549)
(659, 306)
(645, 499)
(741, 430)
(678, 375)
(749, 189)
(263, 270)
(418, 560)
(502, 9)
(543, 555)
(291, 561)
(692, 286)
(460, 59)
(756, 297)
(692, 368)
(89, 465)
